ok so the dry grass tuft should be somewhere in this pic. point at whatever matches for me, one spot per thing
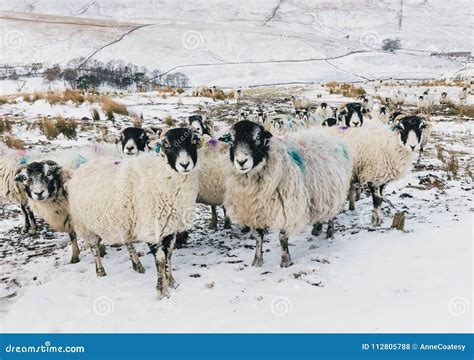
(452, 167)
(14, 143)
(48, 129)
(74, 96)
(5, 126)
(111, 106)
(52, 129)
(466, 110)
(169, 121)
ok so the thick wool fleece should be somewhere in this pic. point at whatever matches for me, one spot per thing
(141, 198)
(212, 158)
(379, 156)
(287, 193)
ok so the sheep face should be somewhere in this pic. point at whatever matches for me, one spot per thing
(41, 180)
(410, 129)
(179, 147)
(249, 145)
(133, 141)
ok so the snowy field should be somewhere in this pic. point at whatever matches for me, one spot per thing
(365, 280)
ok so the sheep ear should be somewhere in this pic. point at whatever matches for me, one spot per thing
(20, 173)
(267, 135)
(155, 144)
(53, 170)
(119, 136)
(148, 131)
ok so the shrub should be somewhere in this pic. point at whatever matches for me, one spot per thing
(74, 96)
(391, 44)
(52, 74)
(54, 97)
(180, 90)
(67, 127)
(95, 114)
(112, 106)
(5, 126)
(87, 82)
(466, 110)
(14, 143)
(169, 121)
(48, 129)
(3, 100)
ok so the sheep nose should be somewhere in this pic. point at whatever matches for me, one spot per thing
(184, 165)
(241, 162)
(38, 194)
(413, 147)
(130, 148)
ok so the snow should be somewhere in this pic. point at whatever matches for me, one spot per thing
(365, 280)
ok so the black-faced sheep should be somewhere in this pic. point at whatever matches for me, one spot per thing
(284, 184)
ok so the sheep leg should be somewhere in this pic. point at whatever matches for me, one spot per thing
(136, 264)
(168, 245)
(245, 229)
(330, 229)
(352, 195)
(377, 201)
(160, 261)
(99, 269)
(102, 250)
(258, 259)
(181, 239)
(227, 222)
(32, 221)
(317, 229)
(26, 226)
(285, 253)
(358, 191)
(213, 223)
(74, 247)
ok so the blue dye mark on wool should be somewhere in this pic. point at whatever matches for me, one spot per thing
(157, 148)
(81, 160)
(296, 157)
(341, 151)
(23, 161)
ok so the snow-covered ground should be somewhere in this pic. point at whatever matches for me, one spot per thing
(365, 280)
(244, 43)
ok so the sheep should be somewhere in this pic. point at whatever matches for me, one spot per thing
(202, 125)
(382, 114)
(381, 155)
(150, 199)
(324, 111)
(10, 160)
(238, 95)
(398, 99)
(135, 140)
(10, 189)
(424, 103)
(300, 103)
(463, 96)
(44, 183)
(284, 184)
(347, 112)
(201, 90)
(444, 99)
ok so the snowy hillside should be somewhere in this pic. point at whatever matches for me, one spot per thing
(264, 42)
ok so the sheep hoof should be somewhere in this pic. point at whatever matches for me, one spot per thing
(352, 207)
(25, 229)
(330, 235)
(102, 251)
(257, 262)
(245, 229)
(213, 225)
(286, 262)
(163, 292)
(376, 219)
(75, 259)
(138, 268)
(227, 225)
(317, 229)
(32, 232)
(100, 272)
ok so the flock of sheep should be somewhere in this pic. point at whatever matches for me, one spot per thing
(269, 172)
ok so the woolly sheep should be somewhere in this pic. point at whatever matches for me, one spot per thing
(463, 95)
(284, 184)
(381, 155)
(300, 103)
(324, 111)
(149, 198)
(424, 103)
